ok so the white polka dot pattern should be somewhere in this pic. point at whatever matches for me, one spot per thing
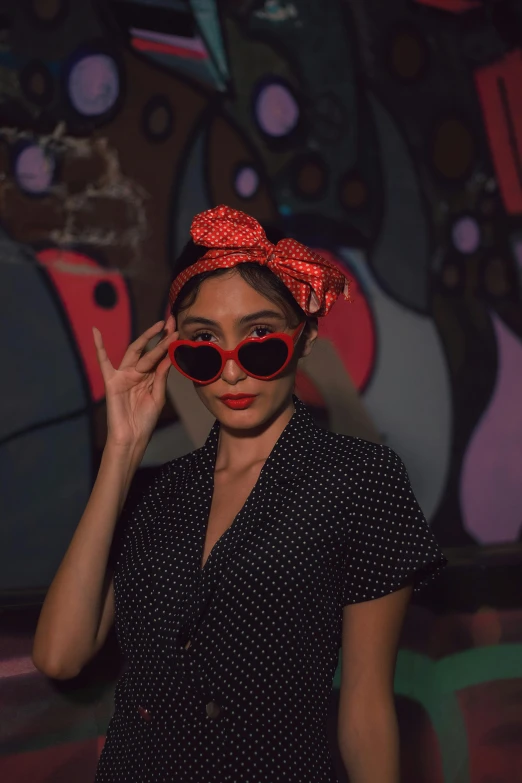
(235, 237)
(331, 521)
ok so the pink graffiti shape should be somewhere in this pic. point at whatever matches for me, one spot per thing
(453, 6)
(277, 110)
(498, 89)
(94, 84)
(91, 296)
(247, 181)
(159, 47)
(34, 169)
(350, 327)
(16, 667)
(491, 485)
(466, 234)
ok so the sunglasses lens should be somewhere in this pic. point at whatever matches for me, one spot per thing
(202, 363)
(263, 359)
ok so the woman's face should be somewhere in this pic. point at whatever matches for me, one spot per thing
(226, 311)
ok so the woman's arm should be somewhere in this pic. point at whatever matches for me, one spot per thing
(78, 610)
(367, 723)
(79, 607)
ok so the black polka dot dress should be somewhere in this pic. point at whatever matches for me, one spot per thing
(230, 667)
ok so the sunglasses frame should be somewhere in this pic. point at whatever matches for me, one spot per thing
(290, 341)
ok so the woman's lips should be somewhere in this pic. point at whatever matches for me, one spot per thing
(238, 401)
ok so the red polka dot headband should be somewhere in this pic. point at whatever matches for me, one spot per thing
(234, 238)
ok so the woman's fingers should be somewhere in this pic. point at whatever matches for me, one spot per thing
(173, 337)
(160, 381)
(170, 325)
(103, 360)
(150, 359)
(135, 349)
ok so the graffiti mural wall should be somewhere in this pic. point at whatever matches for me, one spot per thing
(388, 135)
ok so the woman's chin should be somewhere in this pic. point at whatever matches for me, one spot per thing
(246, 418)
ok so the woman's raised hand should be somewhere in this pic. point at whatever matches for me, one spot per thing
(135, 392)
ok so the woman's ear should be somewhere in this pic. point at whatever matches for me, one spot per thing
(309, 337)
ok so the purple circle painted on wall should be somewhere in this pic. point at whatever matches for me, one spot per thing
(94, 84)
(246, 181)
(34, 169)
(465, 234)
(276, 110)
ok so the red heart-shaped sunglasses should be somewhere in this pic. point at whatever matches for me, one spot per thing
(260, 357)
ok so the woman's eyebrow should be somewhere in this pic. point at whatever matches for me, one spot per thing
(260, 315)
(198, 319)
(246, 319)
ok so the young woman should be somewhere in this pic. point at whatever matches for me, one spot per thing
(243, 567)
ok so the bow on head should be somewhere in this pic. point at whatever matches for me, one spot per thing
(234, 238)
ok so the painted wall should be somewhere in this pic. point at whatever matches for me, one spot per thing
(387, 135)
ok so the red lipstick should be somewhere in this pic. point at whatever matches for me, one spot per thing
(238, 402)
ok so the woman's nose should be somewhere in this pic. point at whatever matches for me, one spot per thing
(232, 372)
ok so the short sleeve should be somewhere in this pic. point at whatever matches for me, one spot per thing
(390, 543)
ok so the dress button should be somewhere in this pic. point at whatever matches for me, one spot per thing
(213, 709)
(145, 714)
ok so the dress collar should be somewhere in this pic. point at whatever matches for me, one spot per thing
(289, 458)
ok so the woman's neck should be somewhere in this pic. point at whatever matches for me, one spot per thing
(240, 449)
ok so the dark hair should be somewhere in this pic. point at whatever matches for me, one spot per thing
(257, 276)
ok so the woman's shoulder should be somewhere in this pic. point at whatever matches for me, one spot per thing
(350, 462)
(344, 449)
(358, 470)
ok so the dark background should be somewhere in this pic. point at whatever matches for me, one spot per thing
(387, 134)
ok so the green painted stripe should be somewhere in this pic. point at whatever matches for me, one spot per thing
(434, 685)
(78, 733)
(417, 677)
